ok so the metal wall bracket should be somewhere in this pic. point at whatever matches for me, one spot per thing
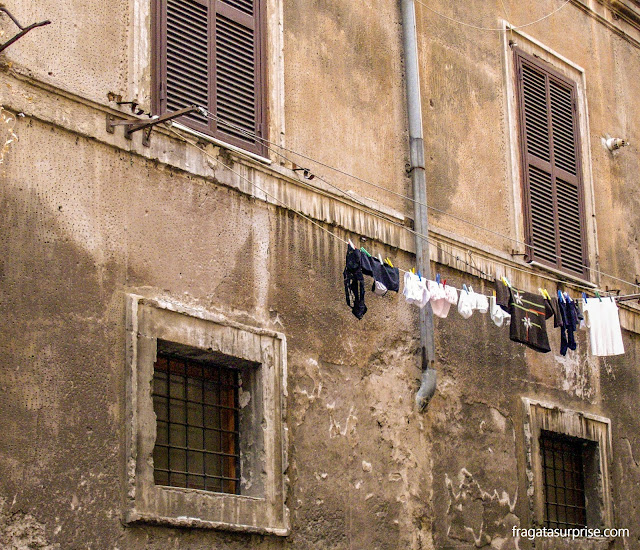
(135, 124)
(23, 30)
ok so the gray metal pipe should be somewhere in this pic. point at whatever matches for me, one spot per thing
(421, 220)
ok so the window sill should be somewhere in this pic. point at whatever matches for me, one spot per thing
(220, 143)
(184, 521)
(561, 274)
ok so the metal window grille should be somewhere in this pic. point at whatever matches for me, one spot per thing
(563, 475)
(197, 441)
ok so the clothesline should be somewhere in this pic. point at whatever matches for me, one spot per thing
(194, 144)
(601, 328)
(595, 296)
(265, 141)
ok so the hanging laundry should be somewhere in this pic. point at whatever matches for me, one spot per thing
(385, 277)
(479, 302)
(442, 297)
(502, 295)
(498, 315)
(366, 260)
(553, 308)
(415, 289)
(354, 282)
(569, 323)
(603, 322)
(528, 315)
(465, 303)
(579, 315)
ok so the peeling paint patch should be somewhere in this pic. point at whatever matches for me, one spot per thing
(579, 377)
(11, 137)
(480, 517)
(21, 531)
(336, 429)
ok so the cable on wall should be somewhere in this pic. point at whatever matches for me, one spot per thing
(351, 197)
(463, 23)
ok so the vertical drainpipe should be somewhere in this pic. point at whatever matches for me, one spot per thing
(421, 221)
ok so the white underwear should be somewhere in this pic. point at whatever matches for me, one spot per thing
(480, 301)
(415, 289)
(465, 304)
(498, 315)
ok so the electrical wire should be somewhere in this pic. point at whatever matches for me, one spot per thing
(344, 193)
(489, 28)
(285, 205)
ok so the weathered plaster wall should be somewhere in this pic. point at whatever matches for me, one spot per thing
(466, 136)
(345, 92)
(81, 233)
(85, 221)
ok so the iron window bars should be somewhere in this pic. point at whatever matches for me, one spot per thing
(197, 441)
(563, 478)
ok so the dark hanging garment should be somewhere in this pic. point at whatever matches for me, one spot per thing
(557, 314)
(367, 263)
(385, 277)
(354, 282)
(528, 314)
(503, 296)
(570, 324)
(391, 277)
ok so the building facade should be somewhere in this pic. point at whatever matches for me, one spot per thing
(180, 369)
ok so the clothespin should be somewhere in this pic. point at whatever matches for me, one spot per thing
(413, 270)
(351, 244)
(598, 296)
(584, 297)
(389, 262)
(380, 257)
(568, 298)
(464, 286)
(560, 298)
(419, 275)
(438, 278)
(541, 292)
(444, 283)
(363, 249)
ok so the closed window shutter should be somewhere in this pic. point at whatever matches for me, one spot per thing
(554, 210)
(187, 56)
(211, 54)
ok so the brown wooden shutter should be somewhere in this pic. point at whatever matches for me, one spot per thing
(211, 54)
(554, 209)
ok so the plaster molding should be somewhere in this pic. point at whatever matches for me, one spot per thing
(344, 213)
(621, 17)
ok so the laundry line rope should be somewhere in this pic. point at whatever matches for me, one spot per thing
(252, 135)
(465, 24)
(331, 233)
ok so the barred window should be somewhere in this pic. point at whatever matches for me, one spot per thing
(196, 407)
(563, 464)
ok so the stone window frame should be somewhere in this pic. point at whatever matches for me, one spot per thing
(148, 320)
(576, 74)
(538, 416)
